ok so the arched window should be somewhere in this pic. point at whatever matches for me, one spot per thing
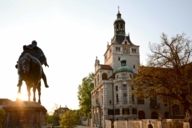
(141, 115)
(104, 76)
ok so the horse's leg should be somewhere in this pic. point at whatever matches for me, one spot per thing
(19, 84)
(39, 92)
(19, 89)
(19, 81)
(29, 92)
(19, 92)
(34, 97)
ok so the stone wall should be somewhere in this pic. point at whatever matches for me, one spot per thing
(166, 123)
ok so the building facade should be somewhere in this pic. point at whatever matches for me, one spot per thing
(112, 96)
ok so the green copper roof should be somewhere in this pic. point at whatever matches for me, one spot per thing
(124, 69)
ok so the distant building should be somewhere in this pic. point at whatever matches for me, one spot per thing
(57, 115)
(61, 110)
(112, 96)
(23, 114)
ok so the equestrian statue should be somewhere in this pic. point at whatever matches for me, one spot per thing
(30, 70)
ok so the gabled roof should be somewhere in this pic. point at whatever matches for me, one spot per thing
(106, 67)
(119, 39)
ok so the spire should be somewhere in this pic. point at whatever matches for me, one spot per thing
(118, 14)
(97, 62)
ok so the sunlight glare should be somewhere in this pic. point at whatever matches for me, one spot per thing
(20, 97)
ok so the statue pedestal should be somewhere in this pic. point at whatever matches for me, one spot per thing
(24, 114)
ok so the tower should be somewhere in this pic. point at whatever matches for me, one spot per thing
(112, 96)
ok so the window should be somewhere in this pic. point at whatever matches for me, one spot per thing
(116, 88)
(134, 111)
(125, 111)
(121, 26)
(123, 63)
(141, 115)
(110, 112)
(153, 102)
(117, 111)
(124, 98)
(133, 50)
(124, 86)
(133, 99)
(117, 98)
(118, 49)
(104, 76)
(116, 27)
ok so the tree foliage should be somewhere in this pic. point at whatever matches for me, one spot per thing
(84, 94)
(70, 119)
(168, 73)
(172, 53)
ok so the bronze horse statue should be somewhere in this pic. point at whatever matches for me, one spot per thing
(30, 70)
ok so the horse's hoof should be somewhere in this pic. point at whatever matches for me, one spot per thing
(47, 86)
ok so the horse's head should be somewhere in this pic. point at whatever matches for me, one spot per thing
(24, 63)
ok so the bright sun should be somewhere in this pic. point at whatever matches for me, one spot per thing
(20, 96)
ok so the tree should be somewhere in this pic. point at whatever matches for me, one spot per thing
(84, 95)
(168, 73)
(69, 119)
(49, 119)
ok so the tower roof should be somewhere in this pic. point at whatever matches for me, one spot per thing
(124, 69)
(119, 25)
(119, 19)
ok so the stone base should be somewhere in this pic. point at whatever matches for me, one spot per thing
(24, 114)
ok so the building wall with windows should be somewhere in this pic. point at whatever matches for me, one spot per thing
(112, 96)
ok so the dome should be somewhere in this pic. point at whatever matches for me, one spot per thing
(119, 19)
(124, 69)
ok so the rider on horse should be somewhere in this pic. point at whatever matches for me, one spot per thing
(35, 51)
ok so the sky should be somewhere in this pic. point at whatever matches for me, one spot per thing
(73, 32)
